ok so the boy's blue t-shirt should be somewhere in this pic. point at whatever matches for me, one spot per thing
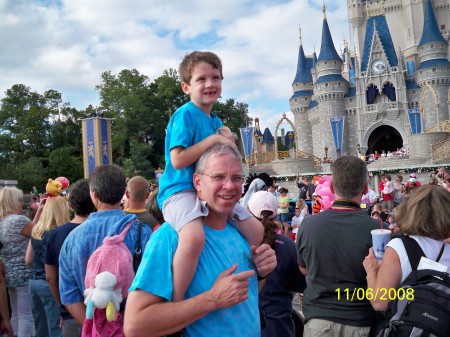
(188, 126)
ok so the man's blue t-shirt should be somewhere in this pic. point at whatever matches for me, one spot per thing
(188, 126)
(222, 249)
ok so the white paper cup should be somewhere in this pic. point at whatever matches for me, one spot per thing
(380, 238)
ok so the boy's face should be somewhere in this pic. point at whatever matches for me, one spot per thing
(205, 86)
(297, 212)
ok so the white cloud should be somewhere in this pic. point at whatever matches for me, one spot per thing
(66, 45)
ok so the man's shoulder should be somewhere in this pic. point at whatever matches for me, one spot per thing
(63, 230)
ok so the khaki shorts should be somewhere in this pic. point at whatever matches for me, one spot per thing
(183, 207)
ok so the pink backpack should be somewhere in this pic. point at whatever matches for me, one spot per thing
(109, 275)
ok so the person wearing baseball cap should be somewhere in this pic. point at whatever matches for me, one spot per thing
(275, 297)
(410, 182)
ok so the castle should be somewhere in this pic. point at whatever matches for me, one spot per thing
(390, 90)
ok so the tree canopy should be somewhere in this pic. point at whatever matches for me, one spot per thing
(40, 135)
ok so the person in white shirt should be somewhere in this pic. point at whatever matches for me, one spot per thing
(368, 200)
(295, 223)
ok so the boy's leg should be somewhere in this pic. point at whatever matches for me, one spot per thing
(191, 239)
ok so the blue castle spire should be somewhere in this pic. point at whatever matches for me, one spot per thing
(431, 31)
(327, 49)
(303, 66)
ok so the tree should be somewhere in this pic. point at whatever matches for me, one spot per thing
(24, 124)
(140, 112)
(66, 161)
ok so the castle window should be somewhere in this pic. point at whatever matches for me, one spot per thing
(433, 70)
(431, 46)
(326, 84)
(442, 27)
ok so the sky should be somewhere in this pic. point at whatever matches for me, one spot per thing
(66, 45)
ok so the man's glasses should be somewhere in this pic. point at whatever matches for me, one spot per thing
(222, 179)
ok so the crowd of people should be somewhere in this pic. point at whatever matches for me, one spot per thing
(213, 261)
(376, 155)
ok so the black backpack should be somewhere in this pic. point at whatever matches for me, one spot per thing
(426, 310)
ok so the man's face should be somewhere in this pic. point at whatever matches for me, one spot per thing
(205, 86)
(220, 185)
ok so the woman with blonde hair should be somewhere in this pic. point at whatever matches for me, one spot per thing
(15, 229)
(425, 217)
(301, 204)
(46, 312)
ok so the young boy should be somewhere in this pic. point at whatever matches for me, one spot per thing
(192, 129)
(295, 223)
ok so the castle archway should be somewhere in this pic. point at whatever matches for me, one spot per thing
(384, 137)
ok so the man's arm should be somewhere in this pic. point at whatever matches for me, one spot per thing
(51, 275)
(78, 311)
(149, 315)
(185, 156)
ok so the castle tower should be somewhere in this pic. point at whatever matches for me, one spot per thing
(328, 126)
(301, 100)
(433, 73)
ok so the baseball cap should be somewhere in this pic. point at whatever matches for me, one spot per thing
(263, 201)
(412, 180)
(412, 175)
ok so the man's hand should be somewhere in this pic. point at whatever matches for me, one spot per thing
(264, 258)
(226, 132)
(230, 289)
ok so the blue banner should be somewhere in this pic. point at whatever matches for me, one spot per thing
(415, 121)
(96, 134)
(410, 68)
(337, 128)
(247, 140)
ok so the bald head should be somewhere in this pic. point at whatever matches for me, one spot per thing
(138, 189)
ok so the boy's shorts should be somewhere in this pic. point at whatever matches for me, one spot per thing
(183, 207)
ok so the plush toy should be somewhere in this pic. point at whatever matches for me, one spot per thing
(103, 296)
(323, 192)
(53, 188)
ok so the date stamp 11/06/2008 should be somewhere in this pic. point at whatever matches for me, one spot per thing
(380, 294)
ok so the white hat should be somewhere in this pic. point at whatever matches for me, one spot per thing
(412, 180)
(263, 201)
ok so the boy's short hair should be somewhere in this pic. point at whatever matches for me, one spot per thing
(192, 59)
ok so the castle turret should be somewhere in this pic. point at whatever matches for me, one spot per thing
(433, 73)
(329, 91)
(301, 99)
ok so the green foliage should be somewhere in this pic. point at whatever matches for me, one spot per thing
(67, 162)
(31, 172)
